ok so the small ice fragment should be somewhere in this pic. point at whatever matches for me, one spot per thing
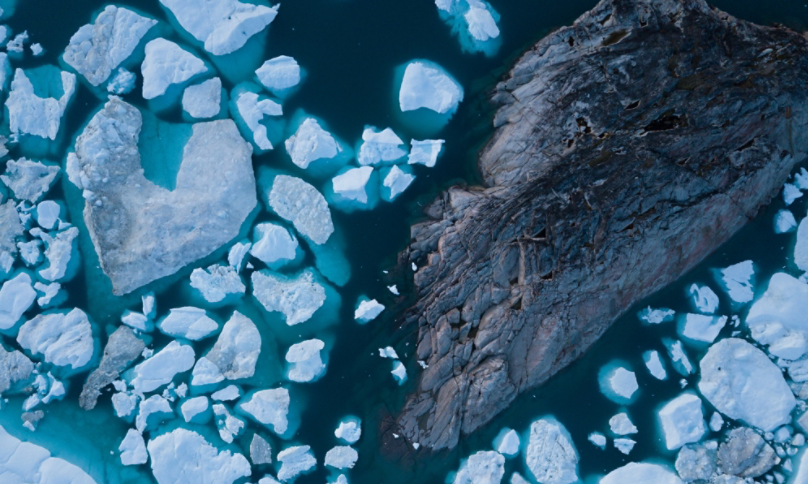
(279, 73)
(203, 100)
(167, 63)
(252, 110)
(737, 281)
(682, 421)
(396, 181)
(50, 294)
(29, 252)
(625, 446)
(235, 257)
(701, 327)
(236, 350)
(123, 82)
(47, 214)
(149, 307)
(784, 222)
(399, 372)
(716, 422)
(137, 321)
(274, 245)
(368, 310)
(349, 430)
(790, 193)
(481, 23)
(341, 457)
(29, 180)
(618, 384)
(620, 424)
(161, 368)
(194, 407)
(311, 143)
(58, 252)
(268, 407)
(17, 43)
(507, 443)
(425, 152)
(188, 322)
(124, 404)
(656, 316)
(230, 392)
(229, 425)
(305, 361)
(681, 363)
(654, 364)
(352, 185)
(704, 299)
(393, 289)
(388, 352)
(380, 147)
(217, 283)
(151, 411)
(37, 49)
(428, 86)
(133, 449)
(295, 461)
(598, 440)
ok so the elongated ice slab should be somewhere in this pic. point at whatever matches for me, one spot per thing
(551, 455)
(189, 323)
(654, 364)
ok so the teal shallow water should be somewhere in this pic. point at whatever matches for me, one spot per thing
(350, 50)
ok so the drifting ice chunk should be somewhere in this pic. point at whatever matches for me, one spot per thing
(736, 280)
(654, 364)
(716, 422)
(62, 338)
(507, 442)
(161, 368)
(237, 348)
(704, 299)
(29, 180)
(59, 253)
(189, 323)
(17, 43)
(195, 409)
(700, 327)
(152, 411)
(428, 86)
(341, 457)
(217, 283)
(801, 248)
(16, 296)
(778, 318)
(634, 473)
(379, 147)
(203, 100)
(481, 23)
(260, 451)
(399, 372)
(133, 449)
(29, 252)
(551, 455)
(743, 384)
(268, 407)
(167, 63)
(279, 73)
(235, 257)
(618, 383)
(306, 365)
(31, 114)
(656, 316)
(624, 445)
(96, 49)
(388, 352)
(598, 440)
(274, 245)
(790, 193)
(484, 467)
(425, 152)
(123, 82)
(24, 462)
(228, 425)
(137, 321)
(682, 421)
(681, 362)
(252, 110)
(124, 404)
(784, 222)
(367, 311)
(620, 424)
(47, 214)
(295, 461)
(206, 373)
(353, 184)
(311, 143)
(224, 25)
(298, 298)
(183, 456)
(51, 294)
(300, 203)
(395, 182)
(349, 430)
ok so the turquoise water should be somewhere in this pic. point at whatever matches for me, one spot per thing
(350, 50)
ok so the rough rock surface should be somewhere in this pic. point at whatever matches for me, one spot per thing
(142, 231)
(629, 146)
(122, 349)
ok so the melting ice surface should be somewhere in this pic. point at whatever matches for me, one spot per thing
(272, 356)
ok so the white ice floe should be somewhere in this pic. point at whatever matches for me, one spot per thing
(167, 63)
(124, 404)
(297, 298)
(149, 304)
(224, 26)
(551, 455)
(17, 44)
(481, 23)
(703, 298)
(137, 321)
(784, 222)
(641, 473)
(194, 407)
(16, 296)
(396, 181)
(716, 422)
(620, 424)
(47, 214)
(29, 180)
(701, 327)
(123, 82)
(380, 147)
(206, 372)
(203, 100)
(300, 203)
(743, 384)
(236, 350)
(507, 443)
(425, 152)
(790, 193)
(736, 280)
(185, 457)
(189, 323)
(59, 253)
(217, 283)
(133, 449)
(235, 257)
(352, 185)
(62, 338)
(151, 412)
(295, 461)
(777, 319)
(393, 289)
(279, 73)
(801, 247)
(96, 49)
(268, 407)
(229, 425)
(654, 364)
(483, 467)
(618, 383)
(341, 457)
(399, 372)
(274, 245)
(349, 430)
(34, 115)
(428, 86)
(311, 143)
(161, 368)
(252, 110)
(29, 252)
(682, 421)
(368, 310)
(388, 352)
(24, 462)
(681, 363)
(305, 362)
(656, 316)
(598, 440)
(625, 446)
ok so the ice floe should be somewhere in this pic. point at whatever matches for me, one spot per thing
(550, 454)
(62, 338)
(279, 73)
(682, 421)
(680, 360)
(274, 245)
(295, 461)
(427, 85)
(399, 372)
(368, 311)
(737, 281)
(236, 350)
(185, 457)
(341, 457)
(133, 449)
(656, 316)
(353, 187)
(29, 180)
(188, 322)
(305, 361)
(703, 298)
(618, 383)
(349, 430)
(47, 214)
(229, 425)
(166, 64)
(123, 82)
(311, 143)
(161, 368)
(654, 364)
(196, 409)
(784, 222)
(252, 108)
(598, 440)
(260, 451)
(507, 442)
(151, 412)
(641, 473)
(34, 115)
(620, 424)
(700, 327)
(379, 147)
(624, 445)
(16, 296)
(23, 462)
(777, 318)
(300, 203)
(297, 298)
(203, 100)
(484, 467)
(395, 181)
(268, 407)
(218, 283)
(425, 152)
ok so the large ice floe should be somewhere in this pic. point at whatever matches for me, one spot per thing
(24, 462)
(777, 319)
(96, 49)
(550, 454)
(166, 64)
(743, 384)
(427, 85)
(161, 368)
(297, 297)
(224, 26)
(30, 114)
(185, 457)
(61, 338)
(301, 204)
(142, 231)
(682, 421)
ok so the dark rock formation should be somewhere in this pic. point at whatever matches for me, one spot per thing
(122, 349)
(628, 147)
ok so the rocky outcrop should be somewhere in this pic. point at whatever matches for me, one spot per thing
(628, 147)
(122, 349)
